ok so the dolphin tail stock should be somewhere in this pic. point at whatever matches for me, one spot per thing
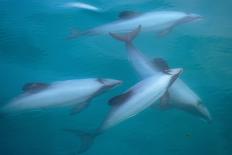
(86, 138)
(128, 37)
(76, 33)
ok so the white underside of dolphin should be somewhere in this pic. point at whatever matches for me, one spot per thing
(179, 94)
(76, 93)
(161, 22)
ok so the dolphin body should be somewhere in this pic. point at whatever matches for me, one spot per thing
(133, 101)
(179, 95)
(161, 22)
(76, 93)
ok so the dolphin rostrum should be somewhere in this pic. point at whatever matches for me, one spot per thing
(160, 22)
(76, 93)
(181, 96)
(136, 99)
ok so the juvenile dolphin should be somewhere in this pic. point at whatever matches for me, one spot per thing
(133, 101)
(76, 93)
(179, 95)
(160, 22)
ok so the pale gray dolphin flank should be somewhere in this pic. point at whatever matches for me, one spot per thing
(160, 22)
(130, 103)
(76, 93)
(181, 96)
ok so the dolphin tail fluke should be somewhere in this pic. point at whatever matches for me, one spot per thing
(86, 138)
(128, 37)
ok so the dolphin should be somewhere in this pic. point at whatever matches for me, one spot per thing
(81, 5)
(76, 93)
(135, 100)
(179, 95)
(160, 22)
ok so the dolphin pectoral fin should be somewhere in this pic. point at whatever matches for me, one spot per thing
(165, 101)
(79, 107)
(165, 31)
(128, 14)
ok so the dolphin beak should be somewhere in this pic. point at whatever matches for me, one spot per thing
(197, 17)
(111, 83)
(117, 82)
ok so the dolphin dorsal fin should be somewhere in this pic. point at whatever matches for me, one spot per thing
(161, 64)
(34, 87)
(117, 100)
(128, 14)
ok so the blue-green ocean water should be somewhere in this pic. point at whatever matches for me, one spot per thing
(33, 48)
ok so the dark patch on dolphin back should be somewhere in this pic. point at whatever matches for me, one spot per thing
(100, 80)
(161, 65)
(128, 14)
(120, 99)
(34, 87)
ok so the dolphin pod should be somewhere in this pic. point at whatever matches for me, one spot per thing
(128, 104)
(159, 85)
(179, 95)
(160, 22)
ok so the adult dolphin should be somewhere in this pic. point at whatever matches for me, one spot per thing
(136, 99)
(160, 22)
(179, 95)
(76, 93)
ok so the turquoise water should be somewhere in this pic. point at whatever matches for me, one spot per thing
(33, 48)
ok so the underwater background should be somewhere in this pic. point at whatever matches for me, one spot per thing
(33, 47)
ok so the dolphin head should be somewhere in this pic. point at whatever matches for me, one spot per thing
(191, 17)
(109, 83)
